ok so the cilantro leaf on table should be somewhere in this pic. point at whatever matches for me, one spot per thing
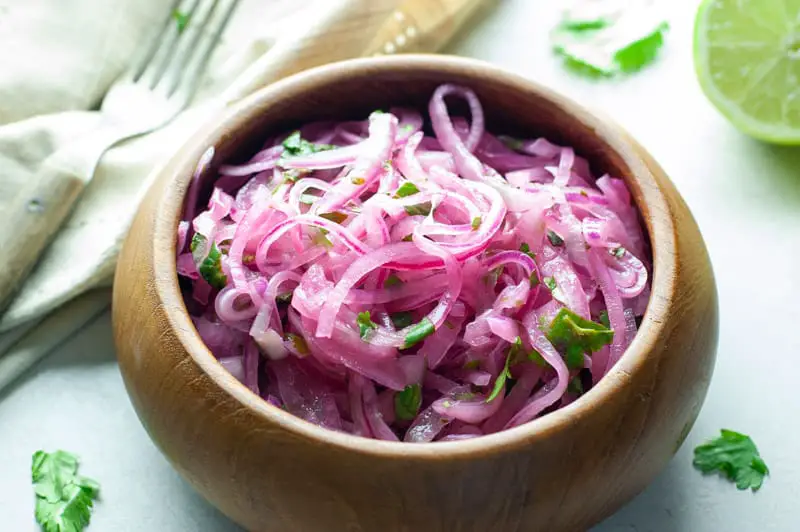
(735, 456)
(604, 38)
(573, 336)
(64, 499)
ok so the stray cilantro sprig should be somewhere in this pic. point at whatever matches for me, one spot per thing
(735, 457)
(365, 324)
(605, 39)
(181, 20)
(295, 145)
(64, 499)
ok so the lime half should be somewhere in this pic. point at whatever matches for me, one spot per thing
(747, 57)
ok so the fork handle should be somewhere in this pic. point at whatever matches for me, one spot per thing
(31, 222)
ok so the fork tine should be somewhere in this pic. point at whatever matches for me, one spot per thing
(188, 46)
(189, 75)
(167, 44)
(146, 55)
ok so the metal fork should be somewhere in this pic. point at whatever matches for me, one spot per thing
(158, 86)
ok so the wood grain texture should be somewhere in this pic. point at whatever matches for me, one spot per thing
(272, 472)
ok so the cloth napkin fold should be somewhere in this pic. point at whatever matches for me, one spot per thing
(59, 60)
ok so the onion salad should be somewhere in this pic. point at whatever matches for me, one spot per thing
(413, 278)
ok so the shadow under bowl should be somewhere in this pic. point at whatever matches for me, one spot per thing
(268, 470)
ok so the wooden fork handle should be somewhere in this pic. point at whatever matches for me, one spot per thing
(31, 222)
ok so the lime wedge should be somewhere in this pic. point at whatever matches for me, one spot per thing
(747, 58)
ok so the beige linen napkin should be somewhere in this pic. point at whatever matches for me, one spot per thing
(60, 58)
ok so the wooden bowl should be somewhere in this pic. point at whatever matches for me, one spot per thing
(270, 471)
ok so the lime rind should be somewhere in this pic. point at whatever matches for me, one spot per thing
(773, 132)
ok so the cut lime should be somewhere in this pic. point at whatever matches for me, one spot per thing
(747, 58)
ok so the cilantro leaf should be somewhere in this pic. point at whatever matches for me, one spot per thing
(573, 336)
(406, 189)
(526, 249)
(550, 283)
(607, 39)
(421, 209)
(618, 252)
(554, 239)
(64, 499)
(295, 145)
(392, 280)
(365, 324)
(476, 223)
(418, 332)
(401, 320)
(335, 217)
(211, 268)
(407, 402)
(500, 381)
(734, 456)
(181, 20)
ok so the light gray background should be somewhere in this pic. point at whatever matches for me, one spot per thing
(746, 198)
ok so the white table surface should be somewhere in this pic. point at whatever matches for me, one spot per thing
(746, 198)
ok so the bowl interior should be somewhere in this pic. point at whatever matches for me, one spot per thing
(350, 91)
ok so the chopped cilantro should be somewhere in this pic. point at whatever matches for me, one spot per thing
(181, 20)
(419, 332)
(500, 381)
(603, 317)
(476, 223)
(320, 239)
(392, 280)
(401, 320)
(618, 252)
(554, 238)
(64, 499)
(526, 249)
(198, 242)
(534, 280)
(735, 456)
(420, 209)
(335, 217)
(536, 357)
(299, 343)
(550, 283)
(211, 268)
(365, 324)
(295, 145)
(408, 238)
(406, 189)
(573, 336)
(407, 402)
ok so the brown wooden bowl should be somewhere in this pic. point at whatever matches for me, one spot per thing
(268, 470)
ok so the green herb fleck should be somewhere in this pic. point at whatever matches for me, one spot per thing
(401, 320)
(295, 145)
(584, 25)
(419, 332)
(618, 252)
(181, 20)
(603, 318)
(299, 343)
(464, 396)
(472, 364)
(335, 217)
(526, 249)
(211, 268)
(198, 243)
(735, 456)
(406, 189)
(550, 283)
(365, 324)
(575, 386)
(554, 238)
(319, 239)
(285, 298)
(64, 500)
(407, 402)
(476, 223)
(500, 381)
(408, 238)
(534, 280)
(573, 336)
(537, 358)
(392, 280)
(407, 128)
(420, 209)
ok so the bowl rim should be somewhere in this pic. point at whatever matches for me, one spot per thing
(660, 230)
